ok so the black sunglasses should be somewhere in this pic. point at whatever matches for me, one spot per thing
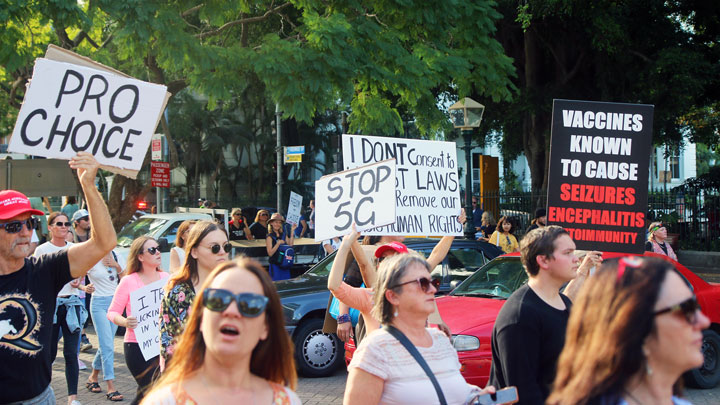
(689, 309)
(153, 250)
(83, 218)
(248, 304)
(16, 226)
(215, 248)
(65, 224)
(424, 283)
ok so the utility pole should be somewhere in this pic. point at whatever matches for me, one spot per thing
(279, 150)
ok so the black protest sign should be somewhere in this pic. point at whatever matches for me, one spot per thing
(598, 179)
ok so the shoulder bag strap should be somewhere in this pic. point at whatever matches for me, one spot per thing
(418, 357)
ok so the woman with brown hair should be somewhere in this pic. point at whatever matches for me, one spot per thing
(503, 236)
(631, 335)
(276, 237)
(177, 253)
(207, 246)
(234, 348)
(143, 268)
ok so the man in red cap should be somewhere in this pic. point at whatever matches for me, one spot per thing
(29, 286)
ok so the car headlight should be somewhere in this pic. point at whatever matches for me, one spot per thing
(464, 343)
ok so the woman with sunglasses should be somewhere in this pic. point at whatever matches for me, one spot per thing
(234, 348)
(207, 246)
(382, 369)
(104, 277)
(238, 226)
(657, 235)
(631, 335)
(259, 228)
(70, 312)
(177, 253)
(277, 236)
(143, 268)
(503, 236)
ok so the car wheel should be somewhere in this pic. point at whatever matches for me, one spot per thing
(708, 375)
(317, 354)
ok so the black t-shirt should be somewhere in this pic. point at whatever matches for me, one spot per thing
(237, 233)
(258, 230)
(527, 339)
(27, 305)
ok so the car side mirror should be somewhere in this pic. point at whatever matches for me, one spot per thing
(163, 245)
(454, 284)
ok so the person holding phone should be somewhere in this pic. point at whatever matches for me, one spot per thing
(238, 226)
(632, 334)
(383, 370)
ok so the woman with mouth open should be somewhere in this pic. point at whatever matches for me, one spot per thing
(234, 348)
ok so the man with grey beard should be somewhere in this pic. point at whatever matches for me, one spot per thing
(29, 286)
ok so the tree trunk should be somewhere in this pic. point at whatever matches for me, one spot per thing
(535, 123)
(122, 209)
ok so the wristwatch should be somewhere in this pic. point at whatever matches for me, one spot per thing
(343, 318)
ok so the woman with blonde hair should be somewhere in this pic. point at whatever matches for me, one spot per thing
(143, 268)
(657, 235)
(259, 228)
(631, 335)
(234, 348)
(177, 253)
(383, 370)
(487, 226)
(207, 246)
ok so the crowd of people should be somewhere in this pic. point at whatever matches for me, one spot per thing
(581, 331)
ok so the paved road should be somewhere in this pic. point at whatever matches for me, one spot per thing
(312, 391)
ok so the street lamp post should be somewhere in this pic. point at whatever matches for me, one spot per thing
(279, 153)
(466, 115)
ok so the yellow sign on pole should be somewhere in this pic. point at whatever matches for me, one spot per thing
(293, 158)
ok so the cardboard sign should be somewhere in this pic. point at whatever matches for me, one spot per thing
(160, 174)
(71, 108)
(363, 196)
(598, 179)
(293, 211)
(427, 194)
(145, 306)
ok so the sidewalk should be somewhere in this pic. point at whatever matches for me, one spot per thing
(312, 391)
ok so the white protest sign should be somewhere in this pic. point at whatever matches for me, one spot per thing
(427, 196)
(293, 211)
(145, 307)
(363, 196)
(71, 108)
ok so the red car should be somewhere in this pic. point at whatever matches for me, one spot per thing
(471, 308)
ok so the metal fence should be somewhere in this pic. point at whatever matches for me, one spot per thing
(691, 216)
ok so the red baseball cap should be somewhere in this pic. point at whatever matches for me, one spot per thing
(14, 203)
(396, 246)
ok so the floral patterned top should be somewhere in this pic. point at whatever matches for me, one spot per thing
(174, 313)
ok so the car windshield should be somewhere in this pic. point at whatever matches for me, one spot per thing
(499, 278)
(143, 226)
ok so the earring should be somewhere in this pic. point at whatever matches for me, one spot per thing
(396, 313)
(648, 369)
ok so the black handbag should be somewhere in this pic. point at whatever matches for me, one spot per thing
(418, 357)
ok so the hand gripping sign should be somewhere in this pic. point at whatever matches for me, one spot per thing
(71, 107)
(364, 196)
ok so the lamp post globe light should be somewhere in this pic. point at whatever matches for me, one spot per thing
(466, 115)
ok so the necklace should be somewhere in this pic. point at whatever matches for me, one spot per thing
(632, 397)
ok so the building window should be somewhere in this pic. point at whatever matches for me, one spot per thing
(674, 165)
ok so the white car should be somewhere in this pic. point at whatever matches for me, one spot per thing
(159, 227)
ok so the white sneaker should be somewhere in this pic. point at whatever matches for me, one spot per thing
(81, 366)
(75, 402)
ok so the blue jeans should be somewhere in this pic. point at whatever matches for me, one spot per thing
(105, 330)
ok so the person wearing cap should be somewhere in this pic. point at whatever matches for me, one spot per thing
(29, 286)
(277, 236)
(539, 221)
(81, 221)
